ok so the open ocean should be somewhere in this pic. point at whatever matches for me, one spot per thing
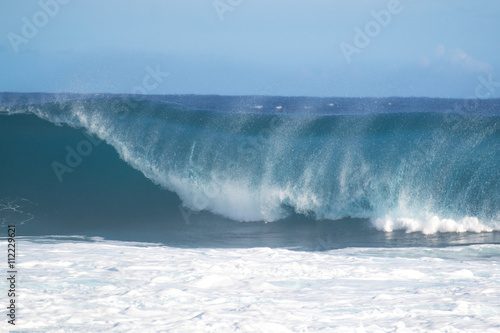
(190, 213)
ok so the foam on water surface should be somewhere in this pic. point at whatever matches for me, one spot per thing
(73, 284)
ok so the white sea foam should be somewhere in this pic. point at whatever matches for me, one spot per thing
(110, 286)
(430, 225)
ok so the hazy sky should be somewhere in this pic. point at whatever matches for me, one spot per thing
(245, 47)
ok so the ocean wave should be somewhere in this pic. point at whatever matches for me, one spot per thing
(420, 171)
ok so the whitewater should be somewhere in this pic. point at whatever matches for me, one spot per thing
(74, 284)
(184, 213)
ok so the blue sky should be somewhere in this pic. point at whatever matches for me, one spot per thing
(246, 47)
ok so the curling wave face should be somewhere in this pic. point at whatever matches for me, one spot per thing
(425, 170)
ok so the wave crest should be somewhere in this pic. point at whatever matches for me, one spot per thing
(264, 166)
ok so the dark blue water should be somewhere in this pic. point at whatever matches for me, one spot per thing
(212, 170)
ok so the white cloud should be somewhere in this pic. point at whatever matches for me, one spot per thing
(455, 58)
(440, 50)
(465, 61)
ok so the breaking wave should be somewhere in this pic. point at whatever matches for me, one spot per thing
(427, 170)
